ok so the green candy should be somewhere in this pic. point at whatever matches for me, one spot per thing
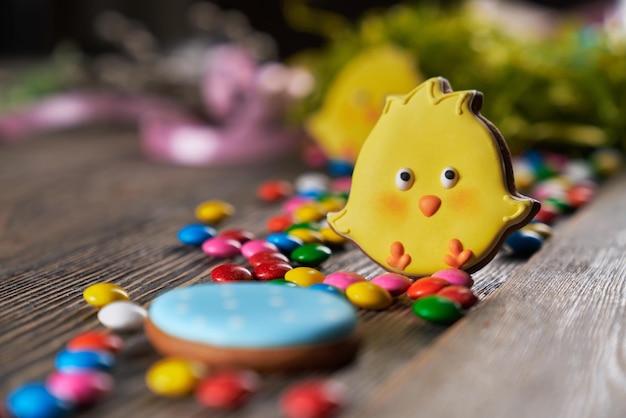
(304, 225)
(282, 282)
(437, 309)
(311, 254)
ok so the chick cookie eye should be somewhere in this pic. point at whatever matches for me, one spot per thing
(449, 177)
(404, 179)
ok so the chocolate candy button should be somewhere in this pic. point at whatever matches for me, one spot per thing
(230, 273)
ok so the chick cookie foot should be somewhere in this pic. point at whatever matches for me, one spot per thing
(398, 258)
(458, 256)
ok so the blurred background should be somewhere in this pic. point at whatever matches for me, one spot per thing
(553, 72)
(35, 26)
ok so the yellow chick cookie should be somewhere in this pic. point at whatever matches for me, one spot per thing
(356, 98)
(433, 185)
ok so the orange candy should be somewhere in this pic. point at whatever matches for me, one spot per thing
(278, 223)
(96, 340)
(426, 286)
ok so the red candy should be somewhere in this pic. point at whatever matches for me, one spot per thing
(267, 257)
(547, 214)
(230, 273)
(240, 235)
(273, 190)
(227, 389)
(278, 223)
(459, 294)
(96, 341)
(312, 399)
(271, 271)
(426, 286)
(580, 195)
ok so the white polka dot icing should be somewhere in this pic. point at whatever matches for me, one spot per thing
(252, 315)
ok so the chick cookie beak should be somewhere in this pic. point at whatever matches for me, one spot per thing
(429, 205)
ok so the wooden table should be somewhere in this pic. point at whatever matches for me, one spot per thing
(548, 338)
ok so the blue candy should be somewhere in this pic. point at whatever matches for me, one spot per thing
(323, 287)
(286, 243)
(33, 400)
(77, 360)
(524, 243)
(339, 168)
(196, 234)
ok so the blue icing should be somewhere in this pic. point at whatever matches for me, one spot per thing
(252, 315)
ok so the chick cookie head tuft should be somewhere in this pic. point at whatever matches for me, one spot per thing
(433, 185)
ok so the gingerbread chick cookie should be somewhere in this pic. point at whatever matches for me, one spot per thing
(433, 185)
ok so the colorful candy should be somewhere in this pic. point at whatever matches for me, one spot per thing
(426, 286)
(271, 271)
(33, 400)
(101, 294)
(343, 279)
(230, 273)
(196, 234)
(437, 309)
(369, 296)
(96, 341)
(313, 399)
(286, 243)
(254, 246)
(311, 254)
(460, 294)
(122, 316)
(222, 247)
(524, 243)
(173, 377)
(75, 361)
(227, 389)
(80, 388)
(273, 190)
(267, 257)
(237, 234)
(455, 277)
(213, 211)
(304, 276)
(394, 283)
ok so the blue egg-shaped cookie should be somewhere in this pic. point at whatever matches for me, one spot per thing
(254, 325)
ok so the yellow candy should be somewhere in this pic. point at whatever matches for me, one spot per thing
(306, 235)
(308, 212)
(214, 211)
(101, 294)
(331, 204)
(369, 296)
(304, 276)
(542, 229)
(173, 377)
(330, 237)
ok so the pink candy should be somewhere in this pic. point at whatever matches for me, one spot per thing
(80, 388)
(455, 277)
(254, 246)
(394, 283)
(343, 279)
(221, 247)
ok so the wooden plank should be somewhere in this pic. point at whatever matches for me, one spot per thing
(84, 207)
(550, 343)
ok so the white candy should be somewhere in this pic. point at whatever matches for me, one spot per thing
(312, 182)
(122, 316)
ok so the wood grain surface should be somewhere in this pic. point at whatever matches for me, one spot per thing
(547, 339)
